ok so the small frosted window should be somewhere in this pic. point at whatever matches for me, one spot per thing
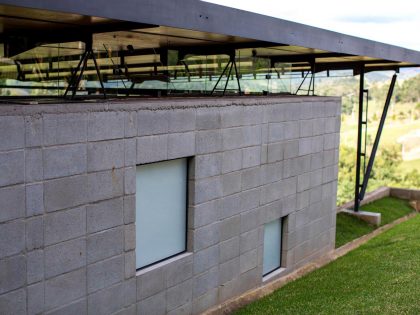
(272, 246)
(161, 211)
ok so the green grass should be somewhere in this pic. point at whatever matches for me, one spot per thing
(380, 277)
(350, 228)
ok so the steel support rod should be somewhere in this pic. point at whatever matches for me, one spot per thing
(378, 137)
(359, 138)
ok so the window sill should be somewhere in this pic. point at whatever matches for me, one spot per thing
(273, 274)
(162, 263)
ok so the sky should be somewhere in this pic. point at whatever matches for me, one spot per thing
(391, 22)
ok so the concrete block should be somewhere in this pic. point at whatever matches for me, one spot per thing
(105, 273)
(65, 225)
(252, 135)
(129, 209)
(208, 141)
(329, 141)
(230, 227)
(208, 189)
(271, 192)
(206, 236)
(65, 128)
(303, 199)
(34, 200)
(179, 271)
(34, 167)
(105, 244)
(12, 273)
(65, 289)
(105, 155)
(105, 125)
(129, 237)
(291, 130)
(249, 241)
(105, 185)
(252, 115)
(316, 178)
(181, 120)
(228, 271)
(303, 182)
(151, 282)
(64, 160)
(271, 173)
(35, 298)
(251, 156)
(229, 249)
(329, 157)
(316, 161)
(303, 164)
(130, 124)
(292, 112)
(230, 206)
(182, 310)
(276, 132)
(129, 180)
(318, 126)
(104, 215)
(65, 257)
(264, 133)
(12, 132)
(207, 165)
(289, 204)
(231, 183)
(152, 122)
(12, 203)
(305, 146)
(155, 304)
(306, 128)
(251, 178)
(152, 149)
(208, 118)
(205, 259)
(231, 161)
(130, 152)
(107, 301)
(317, 144)
(264, 153)
(181, 145)
(203, 214)
(12, 238)
(250, 199)
(328, 174)
(330, 125)
(34, 233)
(35, 266)
(129, 264)
(204, 302)
(275, 113)
(275, 152)
(205, 282)
(315, 194)
(290, 168)
(232, 116)
(79, 307)
(232, 138)
(33, 131)
(250, 220)
(11, 169)
(130, 292)
(13, 302)
(272, 211)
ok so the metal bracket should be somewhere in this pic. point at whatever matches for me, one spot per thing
(232, 64)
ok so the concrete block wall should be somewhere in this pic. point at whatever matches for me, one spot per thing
(67, 199)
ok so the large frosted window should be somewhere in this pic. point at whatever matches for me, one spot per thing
(161, 211)
(272, 246)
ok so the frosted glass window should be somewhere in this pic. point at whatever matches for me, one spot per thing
(272, 246)
(161, 211)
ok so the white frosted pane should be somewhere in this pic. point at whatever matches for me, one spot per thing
(272, 246)
(161, 215)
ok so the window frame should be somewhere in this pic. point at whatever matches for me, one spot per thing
(282, 220)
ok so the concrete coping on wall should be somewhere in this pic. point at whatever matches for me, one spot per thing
(412, 195)
(135, 104)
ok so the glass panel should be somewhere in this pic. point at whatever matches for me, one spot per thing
(272, 246)
(161, 215)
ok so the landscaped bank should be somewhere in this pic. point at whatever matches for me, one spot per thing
(380, 277)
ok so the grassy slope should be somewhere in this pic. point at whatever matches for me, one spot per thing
(350, 228)
(380, 277)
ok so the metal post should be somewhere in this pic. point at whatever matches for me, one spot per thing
(377, 138)
(359, 138)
